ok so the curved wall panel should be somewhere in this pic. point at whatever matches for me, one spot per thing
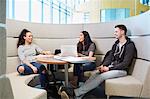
(52, 44)
(11, 46)
(46, 44)
(143, 46)
(137, 25)
(43, 30)
(102, 34)
(103, 45)
(138, 30)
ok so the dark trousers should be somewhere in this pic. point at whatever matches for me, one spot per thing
(28, 70)
(79, 69)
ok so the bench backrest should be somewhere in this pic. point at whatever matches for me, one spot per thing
(141, 72)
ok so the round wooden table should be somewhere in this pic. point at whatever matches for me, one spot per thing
(51, 60)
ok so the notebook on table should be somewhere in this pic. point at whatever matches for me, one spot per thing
(69, 54)
(69, 50)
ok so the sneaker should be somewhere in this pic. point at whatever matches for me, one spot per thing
(68, 93)
(64, 95)
(61, 88)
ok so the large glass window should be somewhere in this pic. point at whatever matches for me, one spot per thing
(43, 11)
(10, 9)
(82, 1)
(63, 14)
(55, 12)
(36, 10)
(145, 2)
(69, 15)
(63, 1)
(108, 15)
(86, 17)
(46, 12)
(72, 11)
(21, 9)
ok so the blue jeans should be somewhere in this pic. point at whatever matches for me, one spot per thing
(79, 69)
(40, 68)
(96, 79)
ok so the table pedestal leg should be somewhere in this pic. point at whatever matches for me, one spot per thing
(66, 75)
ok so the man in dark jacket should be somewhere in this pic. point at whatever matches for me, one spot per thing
(115, 64)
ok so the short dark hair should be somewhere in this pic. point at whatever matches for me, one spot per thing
(122, 27)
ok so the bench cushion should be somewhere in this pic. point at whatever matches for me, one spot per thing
(21, 90)
(12, 63)
(123, 86)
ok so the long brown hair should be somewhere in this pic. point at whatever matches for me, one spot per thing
(21, 40)
(87, 42)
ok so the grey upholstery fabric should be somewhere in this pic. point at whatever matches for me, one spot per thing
(5, 88)
(135, 85)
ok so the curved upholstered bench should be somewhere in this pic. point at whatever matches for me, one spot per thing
(135, 85)
(50, 36)
(21, 90)
(18, 83)
(5, 88)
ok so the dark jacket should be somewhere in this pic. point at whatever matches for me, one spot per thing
(120, 60)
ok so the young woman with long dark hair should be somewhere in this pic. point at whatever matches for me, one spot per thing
(27, 52)
(85, 47)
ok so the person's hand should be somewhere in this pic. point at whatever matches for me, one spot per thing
(89, 58)
(100, 68)
(43, 56)
(34, 69)
(46, 52)
(81, 55)
(105, 69)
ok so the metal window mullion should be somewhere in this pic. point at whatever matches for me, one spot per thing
(13, 9)
(30, 11)
(59, 9)
(42, 15)
(7, 8)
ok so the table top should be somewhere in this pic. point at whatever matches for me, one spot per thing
(52, 60)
